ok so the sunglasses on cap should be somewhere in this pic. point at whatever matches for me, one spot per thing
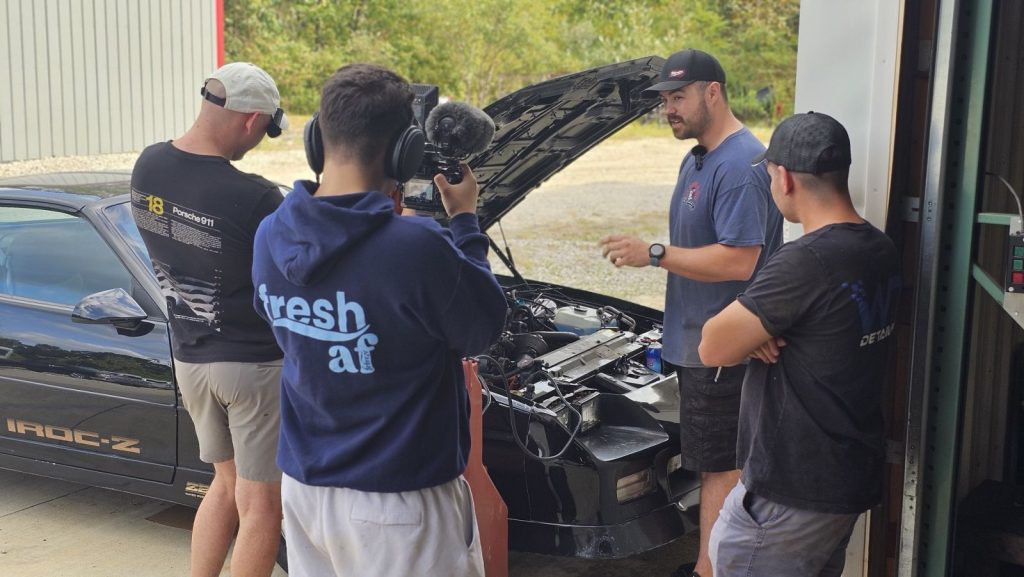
(273, 129)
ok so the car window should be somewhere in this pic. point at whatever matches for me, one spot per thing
(56, 257)
(120, 215)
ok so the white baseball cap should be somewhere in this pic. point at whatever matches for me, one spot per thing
(248, 88)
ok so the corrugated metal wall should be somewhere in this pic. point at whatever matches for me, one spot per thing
(82, 77)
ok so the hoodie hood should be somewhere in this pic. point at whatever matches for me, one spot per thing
(306, 231)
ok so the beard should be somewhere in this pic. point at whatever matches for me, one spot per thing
(694, 127)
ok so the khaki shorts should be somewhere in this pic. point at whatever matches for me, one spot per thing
(338, 531)
(236, 410)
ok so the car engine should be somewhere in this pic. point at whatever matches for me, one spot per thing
(558, 354)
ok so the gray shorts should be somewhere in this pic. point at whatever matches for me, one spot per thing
(338, 531)
(236, 410)
(757, 536)
(709, 413)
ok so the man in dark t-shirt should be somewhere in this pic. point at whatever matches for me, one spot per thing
(817, 323)
(198, 216)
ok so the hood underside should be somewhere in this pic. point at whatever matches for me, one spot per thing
(542, 128)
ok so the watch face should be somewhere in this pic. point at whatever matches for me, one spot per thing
(657, 250)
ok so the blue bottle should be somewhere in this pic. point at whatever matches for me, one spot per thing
(653, 357)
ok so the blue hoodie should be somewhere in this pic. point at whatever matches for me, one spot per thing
(374, 313)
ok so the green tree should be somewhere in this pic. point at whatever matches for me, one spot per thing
(477, 50)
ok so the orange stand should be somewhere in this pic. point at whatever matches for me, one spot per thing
(491, 512)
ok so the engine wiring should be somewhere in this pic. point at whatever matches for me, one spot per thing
(528, 298)
(483, 387)
(532, 310)
(512, 414)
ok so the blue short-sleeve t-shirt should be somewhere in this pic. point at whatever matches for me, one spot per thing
(726, 201)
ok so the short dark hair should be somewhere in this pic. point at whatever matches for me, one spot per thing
(363, 108)
(834, 180)
(703, 84)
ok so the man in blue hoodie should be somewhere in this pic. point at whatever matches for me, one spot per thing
(374, 312)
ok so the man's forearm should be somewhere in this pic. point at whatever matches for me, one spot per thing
(712, 263)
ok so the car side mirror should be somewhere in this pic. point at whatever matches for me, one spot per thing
(115, 307)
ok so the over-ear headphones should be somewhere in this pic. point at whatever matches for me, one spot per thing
(314, 144)
(401, 159)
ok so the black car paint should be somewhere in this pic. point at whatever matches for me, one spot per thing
(60, 376)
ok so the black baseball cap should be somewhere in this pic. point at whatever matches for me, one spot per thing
(813, 142)
(685, 67)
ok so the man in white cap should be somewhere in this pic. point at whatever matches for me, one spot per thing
(198, 215)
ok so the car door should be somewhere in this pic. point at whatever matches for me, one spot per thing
(91, 396)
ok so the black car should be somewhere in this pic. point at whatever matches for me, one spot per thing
(579, 433)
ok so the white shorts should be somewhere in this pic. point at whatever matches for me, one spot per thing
(336, 531)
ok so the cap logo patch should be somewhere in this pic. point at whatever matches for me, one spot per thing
(677, 73)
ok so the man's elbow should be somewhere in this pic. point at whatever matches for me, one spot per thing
(744, 264)
(741, 271)
(744, 269)
(487, 331)
(711, 355)
(716, 348)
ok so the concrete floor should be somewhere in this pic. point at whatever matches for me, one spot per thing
(54, 529)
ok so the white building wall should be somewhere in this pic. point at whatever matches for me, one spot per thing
(82, 77)
(846, 66)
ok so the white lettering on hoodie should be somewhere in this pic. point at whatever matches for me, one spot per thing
(326, 321)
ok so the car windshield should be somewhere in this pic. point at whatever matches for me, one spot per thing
(120, 215)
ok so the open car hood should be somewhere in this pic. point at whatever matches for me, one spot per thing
(542, 128)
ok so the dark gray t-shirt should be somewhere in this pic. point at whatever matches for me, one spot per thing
(728, 202)
(811, 430)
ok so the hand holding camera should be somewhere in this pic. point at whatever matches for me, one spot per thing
(459, 196)
(454, 131)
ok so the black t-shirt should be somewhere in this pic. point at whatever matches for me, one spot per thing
(811, 428)
(198, 217)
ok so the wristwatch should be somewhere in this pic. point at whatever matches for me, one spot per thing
(656, 252)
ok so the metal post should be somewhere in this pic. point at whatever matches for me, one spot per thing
(959, 81)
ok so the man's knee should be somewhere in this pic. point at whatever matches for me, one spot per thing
(258, 498)
(224, 479)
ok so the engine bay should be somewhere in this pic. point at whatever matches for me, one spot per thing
(567, 358)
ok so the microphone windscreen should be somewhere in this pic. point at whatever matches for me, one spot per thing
(459, 126)
(698, 153)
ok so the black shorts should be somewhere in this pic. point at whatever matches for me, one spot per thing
(709, 413)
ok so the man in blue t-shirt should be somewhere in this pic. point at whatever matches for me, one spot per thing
(817, 322)
(722, 227)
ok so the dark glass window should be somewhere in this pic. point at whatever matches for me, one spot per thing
(120, 215)
(56, 257)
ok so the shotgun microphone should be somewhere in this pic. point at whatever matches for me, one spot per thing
(459, 129)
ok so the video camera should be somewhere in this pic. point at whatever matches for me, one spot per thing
(454, 131)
